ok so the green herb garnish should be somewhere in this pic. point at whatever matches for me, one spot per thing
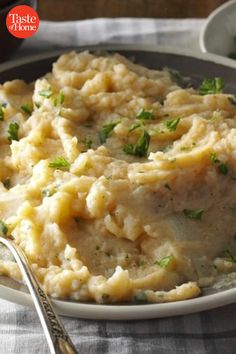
(214, 158)
(37, 104)
(140, 148)
(145, 115)
(165, 261)
(106, 130)
(60, 98)
(141, 297)
(87, 143)
(211, 86)
(193, 213)
(60, 163)
(46, 93)
(27, 108)
(3, 228)
(2, 111)
(46, 192)
(223, 168)
(13, 130)
(171, 125)
(133, 127)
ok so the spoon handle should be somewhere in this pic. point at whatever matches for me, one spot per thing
(58, 340)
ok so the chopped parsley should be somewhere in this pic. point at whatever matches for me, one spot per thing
(195, 214)
(211, 86)
(3, 228)
(171, 125)
(214, 158)
(87, 143)
(232, 100)
(60, 98)
(7, 183)
(1, 112)
(37, 104)
(223, 168)
(140, 148)
(141, 297)
(27, 108)
(13, 130)
(134, 126)
(60, 163)
(165, 261)
(106, 130)
(46, 93)
(46, 192)
(145, 115)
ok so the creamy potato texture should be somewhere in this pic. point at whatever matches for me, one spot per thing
(118, 184)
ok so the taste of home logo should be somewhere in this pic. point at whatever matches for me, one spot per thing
(22, 21)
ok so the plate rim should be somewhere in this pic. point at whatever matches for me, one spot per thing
(205, 56)
(125, 312)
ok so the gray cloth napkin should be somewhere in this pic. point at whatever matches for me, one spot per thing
(211, 332)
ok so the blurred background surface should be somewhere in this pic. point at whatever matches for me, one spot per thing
(64, 10)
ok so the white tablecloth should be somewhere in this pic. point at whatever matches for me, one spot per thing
(211, 332)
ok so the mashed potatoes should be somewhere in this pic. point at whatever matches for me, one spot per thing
(118, 184)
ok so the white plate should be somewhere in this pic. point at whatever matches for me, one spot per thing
(195, 65)
(219, 33)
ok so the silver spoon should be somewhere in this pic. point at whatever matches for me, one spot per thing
(58, 340)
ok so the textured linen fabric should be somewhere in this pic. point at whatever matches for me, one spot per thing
(210, 332)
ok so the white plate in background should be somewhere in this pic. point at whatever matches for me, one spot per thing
(218, 36)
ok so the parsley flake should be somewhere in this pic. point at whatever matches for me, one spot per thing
(140, 148)
(46, 93)
(3, 228)
(2, 111)
(171, 125)
(145, 115)
(165, 261)
(46, 192)
(141, 297)
(27, 108)
(214, 158)
(60, 163)
(87, 143)
(211, 86)
(13, 130)
(133, 127)
(223, 168)
(106, 130)
(60, 98)
(195, 214)
(37, 104)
